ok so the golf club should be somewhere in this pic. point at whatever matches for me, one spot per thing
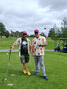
(4, 79)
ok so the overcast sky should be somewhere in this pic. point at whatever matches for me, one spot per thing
(28, 15)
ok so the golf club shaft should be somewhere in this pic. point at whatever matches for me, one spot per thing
(8, 62)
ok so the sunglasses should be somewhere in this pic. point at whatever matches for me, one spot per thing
(24, 34)
(36, 32)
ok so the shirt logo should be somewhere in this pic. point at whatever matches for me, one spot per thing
(24, 43)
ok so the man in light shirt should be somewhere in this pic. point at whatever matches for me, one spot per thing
(38, 44)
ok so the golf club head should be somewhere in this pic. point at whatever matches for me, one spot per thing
(4, 79)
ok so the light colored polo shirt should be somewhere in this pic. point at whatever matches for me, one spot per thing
(38, 50)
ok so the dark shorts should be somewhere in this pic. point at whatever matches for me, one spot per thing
(24, 58)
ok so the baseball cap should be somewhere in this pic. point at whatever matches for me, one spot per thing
(24, 32)
(36, 31)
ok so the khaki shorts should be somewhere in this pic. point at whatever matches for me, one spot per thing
(24, 58)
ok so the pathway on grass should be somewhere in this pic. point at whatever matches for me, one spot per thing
(16, 50)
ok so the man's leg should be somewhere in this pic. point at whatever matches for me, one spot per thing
(41, 59)
(37, 64)
(25, 67)
(43, 67)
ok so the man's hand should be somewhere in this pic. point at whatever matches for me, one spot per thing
(38, 44)
(32, 55)
(10, 49)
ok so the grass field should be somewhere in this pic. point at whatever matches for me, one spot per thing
(6, 43)
(56, 70)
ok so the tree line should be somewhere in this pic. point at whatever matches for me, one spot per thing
(6, 33)
(54, 32)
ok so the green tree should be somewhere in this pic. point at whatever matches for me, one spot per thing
(7, 33)
(12, 34)
(43, 34)
(64, 27)
(32, 35)
(64, 22)
(51, 33)
(16, 34)
(2, 29)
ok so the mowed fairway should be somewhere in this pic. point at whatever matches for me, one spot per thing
(56, 70)
(6, 43)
